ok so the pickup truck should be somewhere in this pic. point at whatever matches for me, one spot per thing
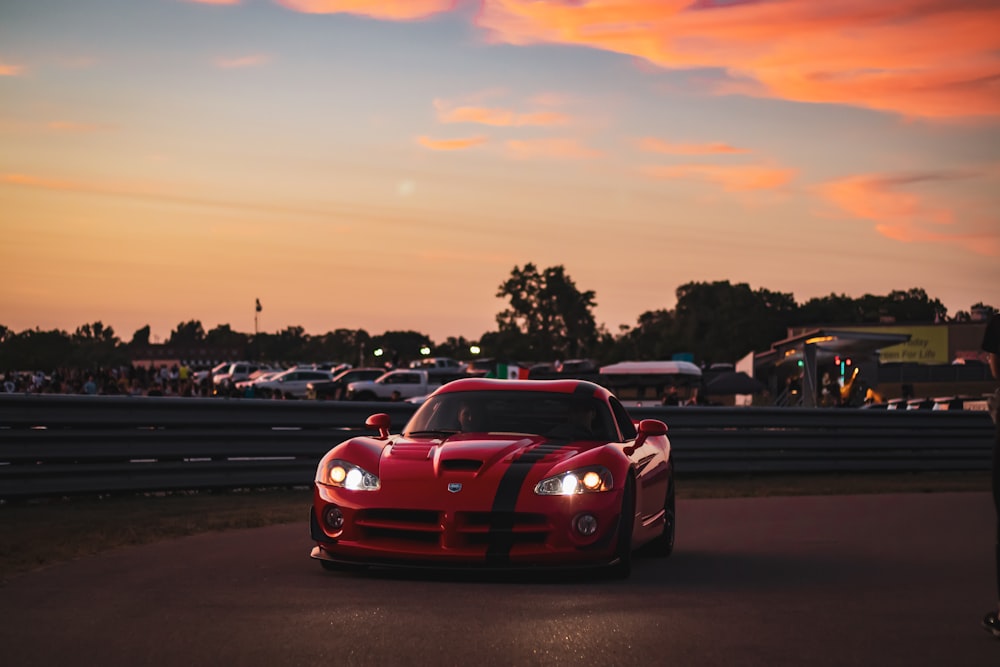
(400, 384)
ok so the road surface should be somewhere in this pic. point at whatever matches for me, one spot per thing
(821, 581)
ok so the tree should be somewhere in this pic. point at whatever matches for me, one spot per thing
(97, 345)
(95, 332)
(399, 346)
(914, 305)
(187, 334)
(141, 337)
(911, 306)
(457, 348)
(343, 345)
(980, 309)
(287, 345)
(38, 350)
(223, 336)
(548, 316)
(723, 322)
(654, 337)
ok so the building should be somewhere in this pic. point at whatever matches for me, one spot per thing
(892, 360)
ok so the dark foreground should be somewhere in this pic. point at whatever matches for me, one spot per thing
(826, 580)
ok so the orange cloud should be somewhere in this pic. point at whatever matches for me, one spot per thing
(924, 58)
(496, 117)
(7, 69)
(397, 10)
(450, 144)
(654, 145)
(26, 180)
(52, 184)
(909, 217)
(243, 61)
(736, 178)
(551, 148)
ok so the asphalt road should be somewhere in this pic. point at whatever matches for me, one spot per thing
(861, 580)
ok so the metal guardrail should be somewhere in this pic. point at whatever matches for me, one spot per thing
(62, 445)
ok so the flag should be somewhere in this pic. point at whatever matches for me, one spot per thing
(258, 306)
(509, 372)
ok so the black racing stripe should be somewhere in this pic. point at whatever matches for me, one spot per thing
(501, 535)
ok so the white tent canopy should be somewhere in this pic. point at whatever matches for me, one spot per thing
(652, 368)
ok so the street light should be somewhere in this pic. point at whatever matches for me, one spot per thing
(425, 350)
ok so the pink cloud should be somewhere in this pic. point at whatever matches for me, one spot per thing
(242, 61)
(450, 144)
(397, 10)
(496, 117)
(923, 58)
(903, 215)
(733, 178)
(655, 145)
(6, 69)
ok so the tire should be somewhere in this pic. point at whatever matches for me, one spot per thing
(663, 545)
(622, 568)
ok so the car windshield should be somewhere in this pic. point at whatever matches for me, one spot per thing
(555, 415)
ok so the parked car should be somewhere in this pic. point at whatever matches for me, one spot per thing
(499, 474)
(438, 362)
(237, 372)
(291, 383)
(200, 375)
(400, 384)
(257, 377)
(336, 387)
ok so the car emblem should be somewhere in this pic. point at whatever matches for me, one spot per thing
(454, 487)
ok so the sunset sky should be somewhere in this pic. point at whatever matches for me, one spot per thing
(384, 165)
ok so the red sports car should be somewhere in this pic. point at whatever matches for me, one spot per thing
(499, 474)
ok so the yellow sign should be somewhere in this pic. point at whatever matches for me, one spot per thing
(927, 344)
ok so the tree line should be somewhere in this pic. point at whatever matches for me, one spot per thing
(546, 318)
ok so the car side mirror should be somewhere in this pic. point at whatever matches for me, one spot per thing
(647, 428)
(382, 422)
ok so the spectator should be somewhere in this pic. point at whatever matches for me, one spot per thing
(671, 397)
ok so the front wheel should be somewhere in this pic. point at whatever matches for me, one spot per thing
(622, 567)
(663, 545)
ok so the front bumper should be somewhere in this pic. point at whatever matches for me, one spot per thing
(539, 533)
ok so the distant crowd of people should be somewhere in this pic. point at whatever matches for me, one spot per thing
(174, 380)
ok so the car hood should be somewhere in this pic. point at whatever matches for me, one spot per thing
(476, 454)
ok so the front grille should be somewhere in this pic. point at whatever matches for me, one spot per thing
(480, 528)
(472, 530)
(399, 525)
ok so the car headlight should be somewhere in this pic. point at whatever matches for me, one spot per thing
(347, 475)
(585, 480)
